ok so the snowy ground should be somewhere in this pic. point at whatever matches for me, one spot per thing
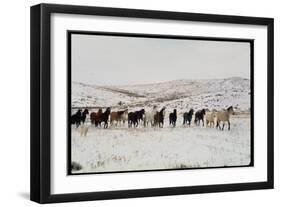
(123, 149)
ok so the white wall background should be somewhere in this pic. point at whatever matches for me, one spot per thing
(14, 103)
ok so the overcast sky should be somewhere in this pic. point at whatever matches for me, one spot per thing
(109, 60)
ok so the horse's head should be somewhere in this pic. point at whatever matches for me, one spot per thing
(142, 111)
(154, 108)
(191, 111)
(108, 109)
(163, 110)
(175, 110)
(203, 111)
(230, 110)
(86, 111)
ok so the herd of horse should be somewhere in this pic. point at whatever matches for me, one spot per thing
(154, 118)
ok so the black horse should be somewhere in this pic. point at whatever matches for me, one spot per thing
(132, 119)
(135, 117)
(199, 115)
(76, 118)
(84, 115)
(140, 114)
(187, 117)
(104, 117)
(173, 118)
(159, 118)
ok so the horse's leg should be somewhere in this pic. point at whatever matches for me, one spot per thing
(218, 125)
(223, 126)
(228, 125)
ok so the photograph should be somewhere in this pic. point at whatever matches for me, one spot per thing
(148, 102)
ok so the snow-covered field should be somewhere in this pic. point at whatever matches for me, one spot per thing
(123, 149)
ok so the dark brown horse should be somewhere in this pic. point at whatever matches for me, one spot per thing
(159, 117)
(199, 116)
(187, 117)
(135, 117)
(103, 117)
(94, 115)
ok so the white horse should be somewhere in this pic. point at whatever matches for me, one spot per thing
(224, 116)
(124, 116)
(149, 116)
(211, 119)
(83, 130)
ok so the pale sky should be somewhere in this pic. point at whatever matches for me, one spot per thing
(111, 60)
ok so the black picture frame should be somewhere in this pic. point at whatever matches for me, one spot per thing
(40, 176)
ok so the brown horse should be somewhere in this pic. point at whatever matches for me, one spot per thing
(159, 117)
(94, 115)
(119, 116)
(102, 117)
(224, 116)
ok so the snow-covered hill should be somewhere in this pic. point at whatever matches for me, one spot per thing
(181, 94)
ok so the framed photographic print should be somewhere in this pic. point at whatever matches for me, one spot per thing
(132, 103)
